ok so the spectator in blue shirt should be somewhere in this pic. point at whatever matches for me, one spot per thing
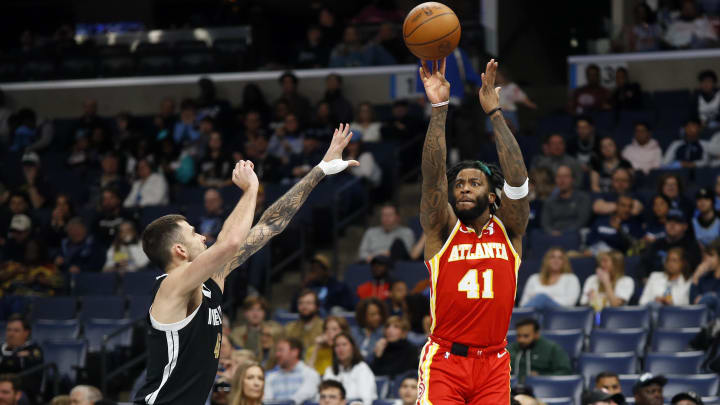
(79, 252)
(292, 379)
(185, 131)
(210, 222)
(706, 224)
(617, 231)
(688, 152)
(705, 287)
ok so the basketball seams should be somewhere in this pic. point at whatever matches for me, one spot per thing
(457, 27)
(425, 22)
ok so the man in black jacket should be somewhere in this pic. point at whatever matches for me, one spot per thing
(19, 353)
(676, 235)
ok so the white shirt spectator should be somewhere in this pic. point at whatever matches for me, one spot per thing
(511, 94)
(370, 133)
(658, 285)
(151, 191)
(368, 169)
(565, 291)
(669, 157)
(643, 157)
(131, 254)
(712, 147)
(624, 289)
(680, 33)
(359, 382)
(376, 241)
(300, 384)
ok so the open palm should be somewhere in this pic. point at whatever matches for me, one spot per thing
(437, 87)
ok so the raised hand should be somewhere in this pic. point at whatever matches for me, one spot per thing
(489, 94)
(341, 139)
(437, 87)
(244, 176)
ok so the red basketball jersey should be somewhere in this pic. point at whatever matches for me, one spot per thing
(473, 283)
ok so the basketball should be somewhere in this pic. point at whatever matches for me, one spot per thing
(431, 31)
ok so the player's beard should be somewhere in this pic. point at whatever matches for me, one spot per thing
(469, 215)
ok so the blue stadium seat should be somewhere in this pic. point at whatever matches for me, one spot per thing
(625, 317)
(138, 306)
(674, 363)
(675, 317)
(189, 195)
(46, 329)
(285, 402)
(94, 283)
(627, 381)
(284, 318)
(706, 385)
(556, 386)
(528, 267)
(619, 340)
(672, 340)
(558, 401)
(583, 267)
(414, 224)
(571, 340)
(411, 272)
(383, 402)
(540, 242)
(383, 386)
(511, 336)
(592, 364)
(68, 355)
(552, 124)
(109, 307)
(349, 317)
(153, 212)
(519, 314)
(96, 329)
(568, 318)
(604, 120)
(356, 274)
(54, 308)
(139, 282)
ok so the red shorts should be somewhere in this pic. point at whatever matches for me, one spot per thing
(479, 379)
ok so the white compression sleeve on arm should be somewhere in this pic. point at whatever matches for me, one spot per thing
(332, 167)
(516, 193)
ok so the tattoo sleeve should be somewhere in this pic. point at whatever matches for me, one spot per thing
(433, 204)
(514, 213)
(275, 218)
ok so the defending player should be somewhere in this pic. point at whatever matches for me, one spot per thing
(473, 251)
(185, 318)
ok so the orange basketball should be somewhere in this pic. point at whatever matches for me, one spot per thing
(431, 31)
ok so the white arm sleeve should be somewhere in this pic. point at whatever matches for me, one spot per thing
(516, 193)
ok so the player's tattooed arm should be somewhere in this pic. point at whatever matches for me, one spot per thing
(514, 213)
(275, 219)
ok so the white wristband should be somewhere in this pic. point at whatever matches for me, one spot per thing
(516, 193)
(333, 166)
(440, 104)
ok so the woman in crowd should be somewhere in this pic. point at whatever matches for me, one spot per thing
(366, 124)
(672, 187)
(609, 286)
(271, 332)
(705, 282)
(370, 314)
(555, 285)
(394, 354)
(351, 371)
(248, 384)
(408, 391)
(671, 286)
(149, 188)
(605, 164)
(126, 253)
(319, 355)
(655, 225)
(54, 232)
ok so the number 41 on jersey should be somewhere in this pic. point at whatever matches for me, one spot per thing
(469, 284)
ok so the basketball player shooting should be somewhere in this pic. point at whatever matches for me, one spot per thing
(185, 319)
(473, 250)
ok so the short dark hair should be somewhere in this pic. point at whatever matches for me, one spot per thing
(253, 300)
(391, 204)
(290, 75)
(335, 75)
(362, 308)
(307, 291)
(585, 118)
(606, 374)
(528, 321)
(12, 379)
(643, 123)
(295, 344)
(20, 318)
(158, 237)
(356, 356)
(492, 173)
(332, 384)
(592, 66)
(707, 74)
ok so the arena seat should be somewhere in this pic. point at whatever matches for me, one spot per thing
(672, 340)
(571, 340)
(541, 242)
(627, 381)
(705, 385)
(677, 317)
(284, 318)
(94, 283)
(68, 355)
(48, 329)
(568, 318)
(356, 274)
(520, 313)
(625, 317)
(411, 272)
(568, 386)
(382, 383)
(592, 364)
(139, 282)
(103, 307)
(96, 329)
(618, 340)
(54, 308)
(138, 306)
(674, 363)
(558, 401)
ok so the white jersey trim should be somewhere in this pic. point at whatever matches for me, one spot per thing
(173, 327)
(173, 349)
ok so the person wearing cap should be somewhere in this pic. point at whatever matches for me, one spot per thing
(705, 281)
(688, 152)
(648, 390)
(331, 292)
(389, 239)
(18, 237)
(671, 286)
(368, 169)
(379, 286)
(676, 235)
(687, 398)
(707, 224)
(34, 185)
(609, 382)
(596, 397)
